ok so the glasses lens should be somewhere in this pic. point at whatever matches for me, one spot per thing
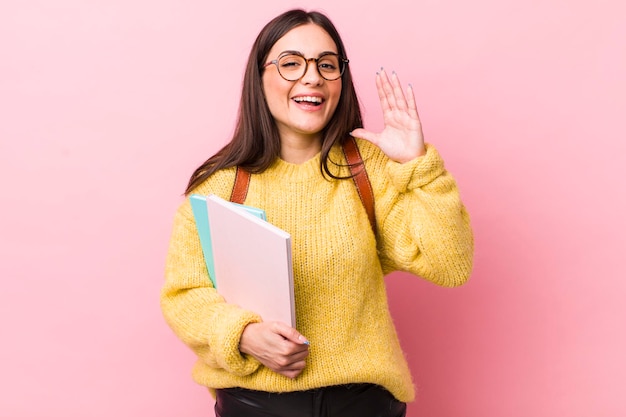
(330, 66)
(291, 67)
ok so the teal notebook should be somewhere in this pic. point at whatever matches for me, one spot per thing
(201, 215)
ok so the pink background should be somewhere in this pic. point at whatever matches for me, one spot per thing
(107, 106)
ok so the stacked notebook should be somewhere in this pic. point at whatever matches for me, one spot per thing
(248, 259)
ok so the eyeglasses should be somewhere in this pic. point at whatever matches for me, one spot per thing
(292, 65)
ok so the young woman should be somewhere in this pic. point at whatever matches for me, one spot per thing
(298, 108)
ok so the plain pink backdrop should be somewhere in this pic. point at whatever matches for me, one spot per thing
(107, 106)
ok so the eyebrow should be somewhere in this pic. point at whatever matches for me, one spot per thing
(288, 52)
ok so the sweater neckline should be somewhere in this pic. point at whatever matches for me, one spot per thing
(304, 171)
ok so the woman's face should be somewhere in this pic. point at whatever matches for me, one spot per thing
(301, 108)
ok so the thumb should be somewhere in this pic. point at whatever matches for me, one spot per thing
(365, 134)
(290, 334)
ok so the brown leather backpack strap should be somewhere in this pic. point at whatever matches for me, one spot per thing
(360, 177)
(240, 189)
(357, 170)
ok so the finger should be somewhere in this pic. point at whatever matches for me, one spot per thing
(296, 366)
(299, 355)
(411, 103)
(398, 93)
(384, 104)
(288, 367)
(388, 89)
(292, 374)
(290, 333)
(288, 361)
(290, 352)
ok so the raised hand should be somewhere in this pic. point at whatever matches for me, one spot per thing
(401, 139)
(277, 346)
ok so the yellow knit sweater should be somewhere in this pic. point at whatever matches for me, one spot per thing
(341, 303)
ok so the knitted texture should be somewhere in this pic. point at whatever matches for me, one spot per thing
(338, 263)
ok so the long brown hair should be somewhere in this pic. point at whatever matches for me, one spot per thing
(255, 144)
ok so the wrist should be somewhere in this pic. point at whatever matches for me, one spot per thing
(244, 346)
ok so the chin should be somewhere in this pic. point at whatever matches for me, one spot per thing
(310, 132)
(312, 129)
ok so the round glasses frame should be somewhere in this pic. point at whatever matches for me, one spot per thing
(343, 62)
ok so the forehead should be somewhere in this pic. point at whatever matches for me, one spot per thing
(310, 39)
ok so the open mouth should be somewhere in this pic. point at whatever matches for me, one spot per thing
(314, 101)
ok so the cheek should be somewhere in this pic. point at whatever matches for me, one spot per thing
(334, 89)
(335, 93)
(275, 93)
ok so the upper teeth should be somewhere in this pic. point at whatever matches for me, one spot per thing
(309, 99)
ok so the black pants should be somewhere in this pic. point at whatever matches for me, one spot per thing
(353, 400)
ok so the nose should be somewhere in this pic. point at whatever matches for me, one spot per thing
(311, 74)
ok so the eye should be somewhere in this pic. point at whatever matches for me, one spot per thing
(327, 66)
(290, 61)
(328, 63)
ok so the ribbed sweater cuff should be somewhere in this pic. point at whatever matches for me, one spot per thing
(224, 340)
(418, 172)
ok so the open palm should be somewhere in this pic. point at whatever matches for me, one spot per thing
(401, 139)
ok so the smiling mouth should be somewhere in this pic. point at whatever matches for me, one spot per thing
(315, 101)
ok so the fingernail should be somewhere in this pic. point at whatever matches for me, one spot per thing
(382, 69)
(410, 86)
(303, 340)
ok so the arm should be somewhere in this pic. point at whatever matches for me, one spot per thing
(194, 310)
(424, 227)
(212, 328)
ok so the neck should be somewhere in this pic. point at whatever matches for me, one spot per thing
(297, 150)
